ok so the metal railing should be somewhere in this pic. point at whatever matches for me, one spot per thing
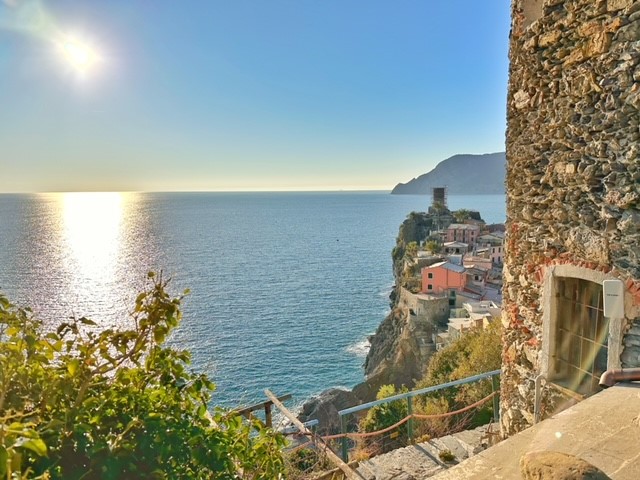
(494, 375)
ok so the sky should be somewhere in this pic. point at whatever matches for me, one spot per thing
(244, 95)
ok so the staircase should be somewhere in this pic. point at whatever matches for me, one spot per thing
(422, 460)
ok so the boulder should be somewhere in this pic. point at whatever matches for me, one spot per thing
(325, 407)
(558, 466)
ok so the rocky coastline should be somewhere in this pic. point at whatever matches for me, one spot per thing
(397, 354)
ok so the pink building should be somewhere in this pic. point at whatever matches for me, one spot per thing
(462, 232)
(442, 277)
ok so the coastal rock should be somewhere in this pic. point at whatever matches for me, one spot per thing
(396, 355)
(325, 408)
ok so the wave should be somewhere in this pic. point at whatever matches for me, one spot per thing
(359, 348)
(386, 290)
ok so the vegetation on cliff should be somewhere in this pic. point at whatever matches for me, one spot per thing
(477, 351)
(80, 402)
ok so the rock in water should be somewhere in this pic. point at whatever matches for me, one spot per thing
(325, 407)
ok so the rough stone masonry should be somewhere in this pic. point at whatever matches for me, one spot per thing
(573, 180)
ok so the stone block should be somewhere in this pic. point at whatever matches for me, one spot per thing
(590, 28)
(521, 99)
(629, 223)
(558, 466)
(629, 33)
(598, 44)
(585, 243)
(548, 39)
(577, 55)
(613, 5)
(614, 25)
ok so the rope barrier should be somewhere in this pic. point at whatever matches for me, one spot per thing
(418, 416)
(462, 410)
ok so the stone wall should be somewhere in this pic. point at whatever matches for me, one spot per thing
(573, 176)
(426, 308)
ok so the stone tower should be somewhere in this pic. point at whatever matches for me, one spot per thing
(573, 201)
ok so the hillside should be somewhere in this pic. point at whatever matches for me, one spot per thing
(461, 174)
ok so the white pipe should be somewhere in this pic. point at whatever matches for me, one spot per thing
(537, 401)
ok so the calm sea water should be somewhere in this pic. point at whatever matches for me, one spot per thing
(285, 287)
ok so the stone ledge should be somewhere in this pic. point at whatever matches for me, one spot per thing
(602, 430)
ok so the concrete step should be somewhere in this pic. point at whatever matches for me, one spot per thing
(420, 461)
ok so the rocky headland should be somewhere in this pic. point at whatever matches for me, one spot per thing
(402, 344)
(488, 177)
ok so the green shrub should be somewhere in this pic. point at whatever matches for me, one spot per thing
(475, 352)
(385, 415)
(446, 456)
(81, 402)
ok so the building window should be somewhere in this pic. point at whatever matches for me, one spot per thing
(429, 275)
(429, 287)
(581, 334)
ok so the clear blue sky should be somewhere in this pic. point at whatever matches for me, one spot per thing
(247, 95)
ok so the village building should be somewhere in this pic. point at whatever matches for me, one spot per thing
(472, 315)
(451, 248)
(459, 283)
(443, 277)
(491, 245)
(462, 232)
(474, 261)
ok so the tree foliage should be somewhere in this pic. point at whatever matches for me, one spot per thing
(433, 246)
(462, 215)
(81, 402)
(410, 251)
(385, 415)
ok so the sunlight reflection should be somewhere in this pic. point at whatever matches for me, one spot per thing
(92, 228)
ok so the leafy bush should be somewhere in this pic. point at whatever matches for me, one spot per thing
(385, 415)
(475, 352)
(433, 246)
(446, 456)
(304, 463)
(83, 403)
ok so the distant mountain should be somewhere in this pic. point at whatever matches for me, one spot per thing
(462, 175)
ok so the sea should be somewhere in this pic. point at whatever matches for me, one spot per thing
(285, 288)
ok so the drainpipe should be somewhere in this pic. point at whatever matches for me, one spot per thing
(537, 398)
(611, 377)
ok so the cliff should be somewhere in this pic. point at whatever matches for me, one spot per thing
(462, 175)
(403, 343)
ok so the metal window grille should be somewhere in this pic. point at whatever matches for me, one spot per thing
(582, 333)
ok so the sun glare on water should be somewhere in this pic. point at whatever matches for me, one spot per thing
(92, 226)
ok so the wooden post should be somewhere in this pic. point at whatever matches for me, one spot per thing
(266, 406)
(348, 471)
(343, 440)
(267, 415)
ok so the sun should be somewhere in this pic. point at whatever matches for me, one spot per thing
(79, 55)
